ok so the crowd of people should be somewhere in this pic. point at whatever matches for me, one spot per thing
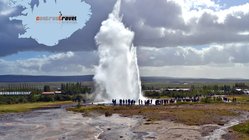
(124, 102)
(163, 101)
(150, 101)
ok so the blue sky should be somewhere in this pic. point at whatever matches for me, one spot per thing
(230, 3)
(25, 55)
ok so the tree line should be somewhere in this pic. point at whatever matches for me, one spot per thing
(204, 90)
(69, 91)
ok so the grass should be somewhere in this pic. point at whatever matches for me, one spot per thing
(14, 108)
(240, 131)
(196, 83)
(193, 114)
(240, 98)
(242, 128)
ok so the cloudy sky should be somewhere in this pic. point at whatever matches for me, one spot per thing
(174, 38)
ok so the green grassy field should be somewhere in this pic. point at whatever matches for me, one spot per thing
(14, 108)
(240, 131)
(190, 114)
(240, 98)
(243, 128)
(187, 85)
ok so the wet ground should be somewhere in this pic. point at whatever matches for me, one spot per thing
(58, 124)
(46, 124)
(53, 124)
(222, 130)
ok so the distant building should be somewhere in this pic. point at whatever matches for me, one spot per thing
(238, 89)
(245, 91)
(179, 89)
(48, 93)
(154, 90)
(51, 93)
(15, 93)
(169, 89)
(57, 92)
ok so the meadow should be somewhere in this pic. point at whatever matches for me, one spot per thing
(15, 108)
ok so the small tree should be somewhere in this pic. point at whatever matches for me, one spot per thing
(78, 99)
(46, 88)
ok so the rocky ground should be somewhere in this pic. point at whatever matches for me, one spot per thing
(54, 124)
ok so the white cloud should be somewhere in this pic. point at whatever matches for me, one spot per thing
(170, 34)
(68, 63)
(244, 33)
(185, 22)
(215, 61)
(195, 8)
(5, 9)
(213, 54)
(6, 12)
(202, 71)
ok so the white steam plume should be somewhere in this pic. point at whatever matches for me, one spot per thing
(117, 75)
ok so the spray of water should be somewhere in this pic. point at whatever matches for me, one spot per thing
(117, 75)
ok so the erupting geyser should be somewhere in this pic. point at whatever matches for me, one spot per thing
(117, 75)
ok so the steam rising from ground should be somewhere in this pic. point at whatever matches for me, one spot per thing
(117, 75)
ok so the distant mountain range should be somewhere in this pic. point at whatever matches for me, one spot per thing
(89, 78)
(29, 78)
